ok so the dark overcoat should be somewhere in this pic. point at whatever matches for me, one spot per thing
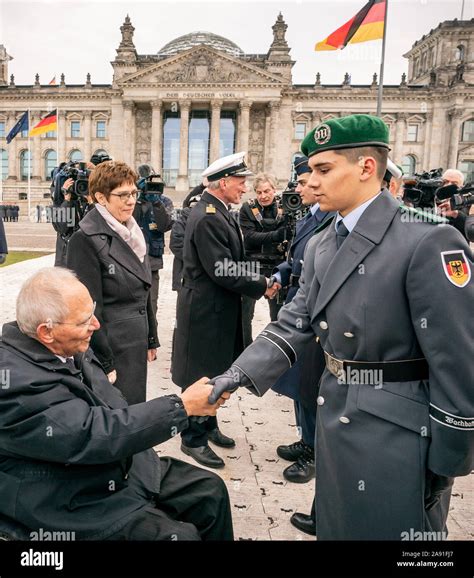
(209, 311)
(396, 290)
(3, 239)
(73, 456)
(120, 285)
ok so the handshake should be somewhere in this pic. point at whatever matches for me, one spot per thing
(206, 396)
(272, 288)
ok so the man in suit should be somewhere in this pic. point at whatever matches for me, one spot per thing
(208, 332)
(388, 298)
(294, 383)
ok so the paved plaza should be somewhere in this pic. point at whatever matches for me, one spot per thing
(262, 500)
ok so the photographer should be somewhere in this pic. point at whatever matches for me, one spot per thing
(71, 202)
(453, 178)
(153, 213)
(263, 229)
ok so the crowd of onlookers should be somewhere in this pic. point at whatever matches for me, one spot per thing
(9, 212)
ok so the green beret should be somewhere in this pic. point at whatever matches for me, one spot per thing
(357, 130)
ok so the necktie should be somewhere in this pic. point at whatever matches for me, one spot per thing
(72, 366)
(341, 233)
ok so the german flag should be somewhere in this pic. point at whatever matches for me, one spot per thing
(367, 24)
(48, 123)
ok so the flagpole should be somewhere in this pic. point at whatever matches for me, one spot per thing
(462, 10)
(29, 166)
(57, 137)
(382, 64)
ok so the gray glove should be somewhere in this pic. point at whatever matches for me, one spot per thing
(228, 381)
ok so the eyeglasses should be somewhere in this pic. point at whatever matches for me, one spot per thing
(125, 196)
(85, 323)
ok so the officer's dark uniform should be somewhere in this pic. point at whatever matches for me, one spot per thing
(263, 229)
(3, 242)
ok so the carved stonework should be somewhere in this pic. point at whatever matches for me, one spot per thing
(142, 136)
(256, 140)
(200, 68)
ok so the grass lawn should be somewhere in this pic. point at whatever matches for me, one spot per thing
(18, 256)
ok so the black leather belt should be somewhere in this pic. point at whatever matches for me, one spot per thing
(294, 280)
(382, 371)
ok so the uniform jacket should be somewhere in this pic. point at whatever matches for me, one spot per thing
(73, 456)
(383, 296)
(120, 284)
(209, 311)
(293, 383)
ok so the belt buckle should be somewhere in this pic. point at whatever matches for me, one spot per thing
(336, 367)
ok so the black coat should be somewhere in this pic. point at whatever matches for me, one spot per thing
(208, 333)
(120, 285)
(3, 239)
(73, 456)
(176, 246)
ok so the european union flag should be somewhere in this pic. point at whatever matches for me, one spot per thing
(22, 124)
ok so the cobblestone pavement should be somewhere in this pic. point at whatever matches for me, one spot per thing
(262, 501)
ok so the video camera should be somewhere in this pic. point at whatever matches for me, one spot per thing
(421, 190)
(150, 185)
(78, 172)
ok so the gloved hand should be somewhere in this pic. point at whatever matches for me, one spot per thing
(279, 235)
(228, 381)
(435, 487)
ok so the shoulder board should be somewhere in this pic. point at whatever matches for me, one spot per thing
(420, 216)
(210, 209)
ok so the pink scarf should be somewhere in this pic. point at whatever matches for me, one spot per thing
(130, 232)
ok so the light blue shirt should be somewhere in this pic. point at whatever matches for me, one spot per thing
(350, 220)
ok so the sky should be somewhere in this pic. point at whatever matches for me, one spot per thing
(76, 37)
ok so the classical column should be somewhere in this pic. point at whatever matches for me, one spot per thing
(128, 142)
(182, 183)
(399, 137)
(62, 136)
(13, 161)
(427, 147)
(35, 144)
(274, 107)
(244, 127)
(87, 135)
(216, 106)
(455, 115)
(156, 135)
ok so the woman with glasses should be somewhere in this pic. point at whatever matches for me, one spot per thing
(108, 253)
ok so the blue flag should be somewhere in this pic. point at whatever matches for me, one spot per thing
(22, 124)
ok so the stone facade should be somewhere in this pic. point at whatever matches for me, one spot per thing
(430, 113)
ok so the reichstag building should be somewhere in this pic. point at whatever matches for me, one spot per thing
(201, 96)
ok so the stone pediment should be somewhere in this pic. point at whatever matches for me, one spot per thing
(201, 65)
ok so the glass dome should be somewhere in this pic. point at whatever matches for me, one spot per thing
(195, 38)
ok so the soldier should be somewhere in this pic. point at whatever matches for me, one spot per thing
(388, 299)
(209, 311)
(263, 228)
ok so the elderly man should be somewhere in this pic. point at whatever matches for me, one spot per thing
(394, 421)
(456, 218)
(209, 311)
(73, 456)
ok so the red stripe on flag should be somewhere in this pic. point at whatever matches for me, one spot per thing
(338, 37)
(376, 14)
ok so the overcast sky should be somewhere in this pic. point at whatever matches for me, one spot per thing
(54, 36)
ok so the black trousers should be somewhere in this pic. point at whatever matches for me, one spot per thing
(248, 310)
(193, 504)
